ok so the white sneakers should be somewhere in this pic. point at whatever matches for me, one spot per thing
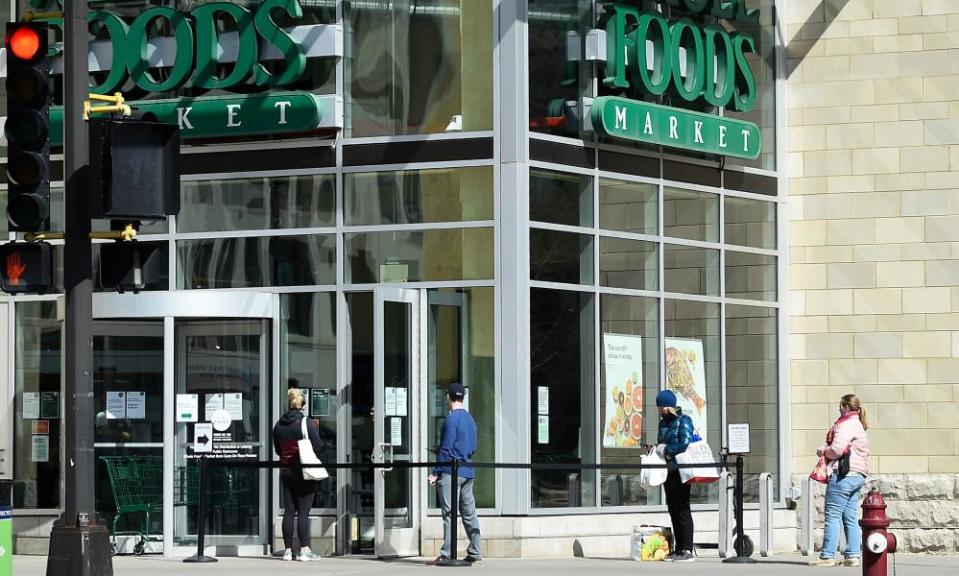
(305, 555)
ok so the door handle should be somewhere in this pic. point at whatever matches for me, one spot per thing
(384, 449)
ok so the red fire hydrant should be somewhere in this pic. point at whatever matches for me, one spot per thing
(876, 542)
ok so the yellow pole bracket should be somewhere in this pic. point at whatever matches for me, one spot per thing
(128, 233)
(31, 16)
(118, 105)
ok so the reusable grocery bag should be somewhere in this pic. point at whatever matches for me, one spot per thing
(697, 453)
(312, 469)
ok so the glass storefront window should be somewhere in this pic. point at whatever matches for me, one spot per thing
(628, 263)
(256, 262)
(749, 223)
(430, 255)
(628, 384)
(38, 418)
(752, 387)
(419, 196)
(693, 372)
(560, 257)
(560, 198)
(308, 362)
(691, 270)
(261, 203)
(750, 276)
(462, 328)
(562, 367)
(691, 215)
(628, 206)
(558, 75)
(418, 68)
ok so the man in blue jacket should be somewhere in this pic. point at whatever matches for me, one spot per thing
(457, 442)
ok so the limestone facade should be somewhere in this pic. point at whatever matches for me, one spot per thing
(873, 141)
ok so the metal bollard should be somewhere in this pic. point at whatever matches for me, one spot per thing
(766, 514)
(725, 538)
(806, 508)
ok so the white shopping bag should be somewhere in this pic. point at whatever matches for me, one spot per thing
(697, 453)
(652, 476)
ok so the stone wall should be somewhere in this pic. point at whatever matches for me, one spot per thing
(873, 136)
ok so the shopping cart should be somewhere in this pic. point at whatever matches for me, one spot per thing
(137, 486)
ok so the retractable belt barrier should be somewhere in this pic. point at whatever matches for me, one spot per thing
(453, 466)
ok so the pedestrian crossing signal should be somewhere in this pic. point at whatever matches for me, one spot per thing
(26, 267)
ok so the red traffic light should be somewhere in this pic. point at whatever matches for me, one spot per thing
(25, 267)
(24, 43)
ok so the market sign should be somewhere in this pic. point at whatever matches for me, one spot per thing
(666, 126)
(228, 116)
(648, 55)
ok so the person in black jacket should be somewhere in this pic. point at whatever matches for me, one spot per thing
(675, 434)
(297, 492)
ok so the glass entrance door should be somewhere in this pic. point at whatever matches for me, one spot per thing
(223, 411)
(396, 342)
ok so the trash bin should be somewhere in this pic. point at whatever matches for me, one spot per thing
(6, 527)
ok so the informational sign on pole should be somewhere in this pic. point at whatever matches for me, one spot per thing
(738, 435)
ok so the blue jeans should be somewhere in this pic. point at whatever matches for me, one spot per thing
(467, 512)
(842, 502)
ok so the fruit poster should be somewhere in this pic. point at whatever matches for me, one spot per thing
(686, 376)
(623, 354)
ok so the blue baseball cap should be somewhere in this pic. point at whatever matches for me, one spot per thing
(456, 391)
(666, 399)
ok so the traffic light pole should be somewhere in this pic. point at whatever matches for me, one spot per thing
(79, 542)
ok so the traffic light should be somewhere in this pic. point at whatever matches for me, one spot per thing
(26, 267)
(134, 172)
(28, 127)
(132, 266)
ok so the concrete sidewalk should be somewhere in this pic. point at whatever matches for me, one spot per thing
(785, 565)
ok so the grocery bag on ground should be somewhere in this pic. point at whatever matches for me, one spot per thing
(697, 453)
(652, 476)
(649, 543)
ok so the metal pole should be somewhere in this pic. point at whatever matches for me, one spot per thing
(79, 542)
(199, 557)
(740, 557)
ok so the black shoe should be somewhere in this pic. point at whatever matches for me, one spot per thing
(684, 557)
(472, 559)
(672, 556)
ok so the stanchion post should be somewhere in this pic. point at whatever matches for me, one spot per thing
(454, 508)
(199, 557)
(740, 557)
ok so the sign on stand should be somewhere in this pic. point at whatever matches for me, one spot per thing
(738, 435)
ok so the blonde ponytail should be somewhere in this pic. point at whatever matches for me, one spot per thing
(851, 402)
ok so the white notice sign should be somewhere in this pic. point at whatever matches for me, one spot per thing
(738, 438)
(213, 403)
(31, 405)
(41, 448)
(396, 431)
(202, 438)
(136, 405)
(187, 407)
(542, 400)
(116, 405)
(542, 436)
(401, 402)
(233, 403)
(390, 401)
(221, 420)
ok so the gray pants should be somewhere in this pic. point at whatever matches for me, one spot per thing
(467, 511)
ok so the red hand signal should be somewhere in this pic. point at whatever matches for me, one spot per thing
(14, 268)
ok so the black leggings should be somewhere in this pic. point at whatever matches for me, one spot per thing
(677, 501)
(297, 500)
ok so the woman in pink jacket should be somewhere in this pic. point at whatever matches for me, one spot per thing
(846, 437)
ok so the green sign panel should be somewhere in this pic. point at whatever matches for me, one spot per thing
(225, 116)
(674, 127)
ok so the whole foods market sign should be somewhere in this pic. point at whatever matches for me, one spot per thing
(650, 55)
